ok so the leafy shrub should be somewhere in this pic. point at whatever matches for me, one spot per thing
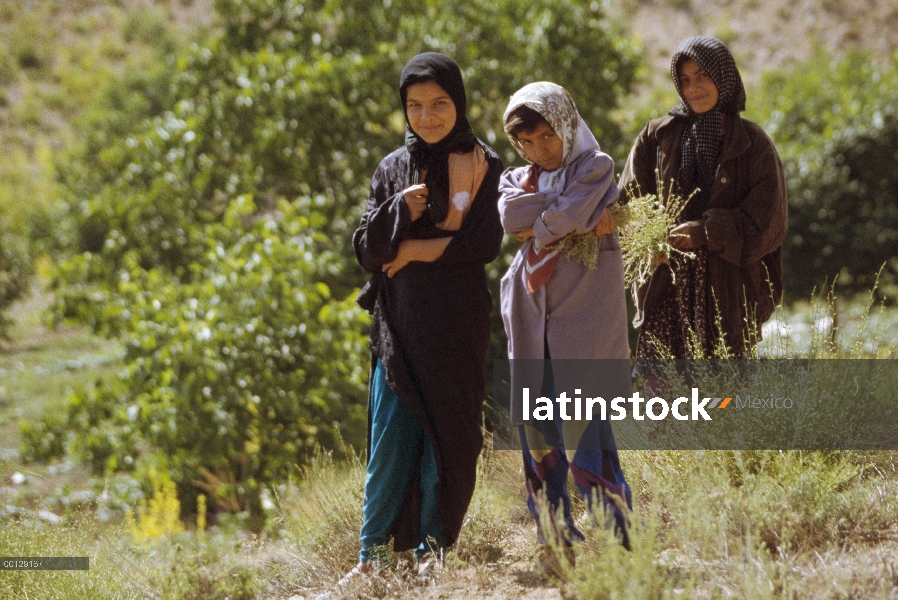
(239, 375)
(293, 101)
(51, 69)
(836, 125)
(45, 439)
(212, 225)
(15, 275)
(30, 40)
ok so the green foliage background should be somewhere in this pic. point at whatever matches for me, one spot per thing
(835, 124)
(55, 61)
(207, 208)
(214, 199)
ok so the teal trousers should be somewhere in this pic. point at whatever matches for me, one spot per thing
(398, 446)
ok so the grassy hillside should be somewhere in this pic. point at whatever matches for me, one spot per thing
(764, 34)
(57, 57)
(752, 526)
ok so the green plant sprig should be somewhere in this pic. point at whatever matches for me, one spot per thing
(580, 247)
(644, 223)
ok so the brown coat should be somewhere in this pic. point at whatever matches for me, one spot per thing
(745, 223)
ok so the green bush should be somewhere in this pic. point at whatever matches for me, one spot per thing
(44, 440)
(836, 125)
(16, 270)
(8, 67)
(212, 223)
(51, 69)
(30, 41)
(294, 101)
(242, 373)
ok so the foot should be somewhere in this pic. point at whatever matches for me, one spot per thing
(359, 571)
(429, 566)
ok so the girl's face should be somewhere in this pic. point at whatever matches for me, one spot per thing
(698, 90)
(430, 111)
(543, 146)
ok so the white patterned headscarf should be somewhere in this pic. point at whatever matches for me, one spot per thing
(557, 107)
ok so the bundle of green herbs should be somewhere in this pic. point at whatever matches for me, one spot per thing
(643, 222)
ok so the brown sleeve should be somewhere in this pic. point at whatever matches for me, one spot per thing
(756, 227)
(638, 177)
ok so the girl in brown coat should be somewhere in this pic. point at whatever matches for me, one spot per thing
(734, 224)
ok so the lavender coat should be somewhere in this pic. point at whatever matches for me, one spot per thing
(581, 312)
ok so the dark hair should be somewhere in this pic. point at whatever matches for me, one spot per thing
(524, 119)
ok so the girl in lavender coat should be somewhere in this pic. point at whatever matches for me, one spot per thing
(554, 306)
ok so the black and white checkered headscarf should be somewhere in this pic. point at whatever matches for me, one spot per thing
(702, 137)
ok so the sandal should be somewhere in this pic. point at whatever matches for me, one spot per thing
(357, 572)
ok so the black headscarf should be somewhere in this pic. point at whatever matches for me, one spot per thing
(702, 138)
(439, 68)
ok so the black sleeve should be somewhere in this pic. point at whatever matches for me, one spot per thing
(384, 224)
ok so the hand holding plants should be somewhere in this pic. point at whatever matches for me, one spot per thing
(649, 235)
(606, 224)
(687, 236)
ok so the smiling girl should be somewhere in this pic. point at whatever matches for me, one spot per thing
(430, 227)
(734, 224)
